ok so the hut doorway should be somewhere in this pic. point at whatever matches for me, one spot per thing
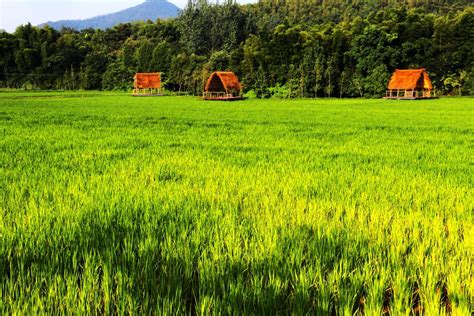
(215, 85)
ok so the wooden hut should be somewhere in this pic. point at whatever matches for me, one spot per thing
(147, 84)
(410, 84)
(223, 85)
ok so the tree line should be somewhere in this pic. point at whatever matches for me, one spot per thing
(279, 48)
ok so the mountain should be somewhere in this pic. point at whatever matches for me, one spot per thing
(149, 10)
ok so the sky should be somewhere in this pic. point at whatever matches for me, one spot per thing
(16, 12)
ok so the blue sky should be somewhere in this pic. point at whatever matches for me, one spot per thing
(16, 12)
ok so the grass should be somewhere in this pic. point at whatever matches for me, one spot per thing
(114, 204)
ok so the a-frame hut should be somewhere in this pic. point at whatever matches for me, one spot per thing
(222, 85)
(410, 84)
(147, 84)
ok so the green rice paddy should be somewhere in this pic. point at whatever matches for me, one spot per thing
(114, 204)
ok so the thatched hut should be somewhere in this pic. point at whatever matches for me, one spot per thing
(410, 84)
(147, 84)
(222, 85)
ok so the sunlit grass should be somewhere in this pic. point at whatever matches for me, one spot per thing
(114, 204)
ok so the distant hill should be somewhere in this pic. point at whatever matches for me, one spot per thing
(149, 10)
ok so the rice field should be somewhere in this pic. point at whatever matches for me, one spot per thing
(173, 205)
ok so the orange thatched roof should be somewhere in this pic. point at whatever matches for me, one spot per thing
(221, 81)
(147, 80)
(410, 79)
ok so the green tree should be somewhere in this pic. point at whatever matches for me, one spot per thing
(161, 60)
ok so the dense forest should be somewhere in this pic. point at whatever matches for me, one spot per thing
(279, 48)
